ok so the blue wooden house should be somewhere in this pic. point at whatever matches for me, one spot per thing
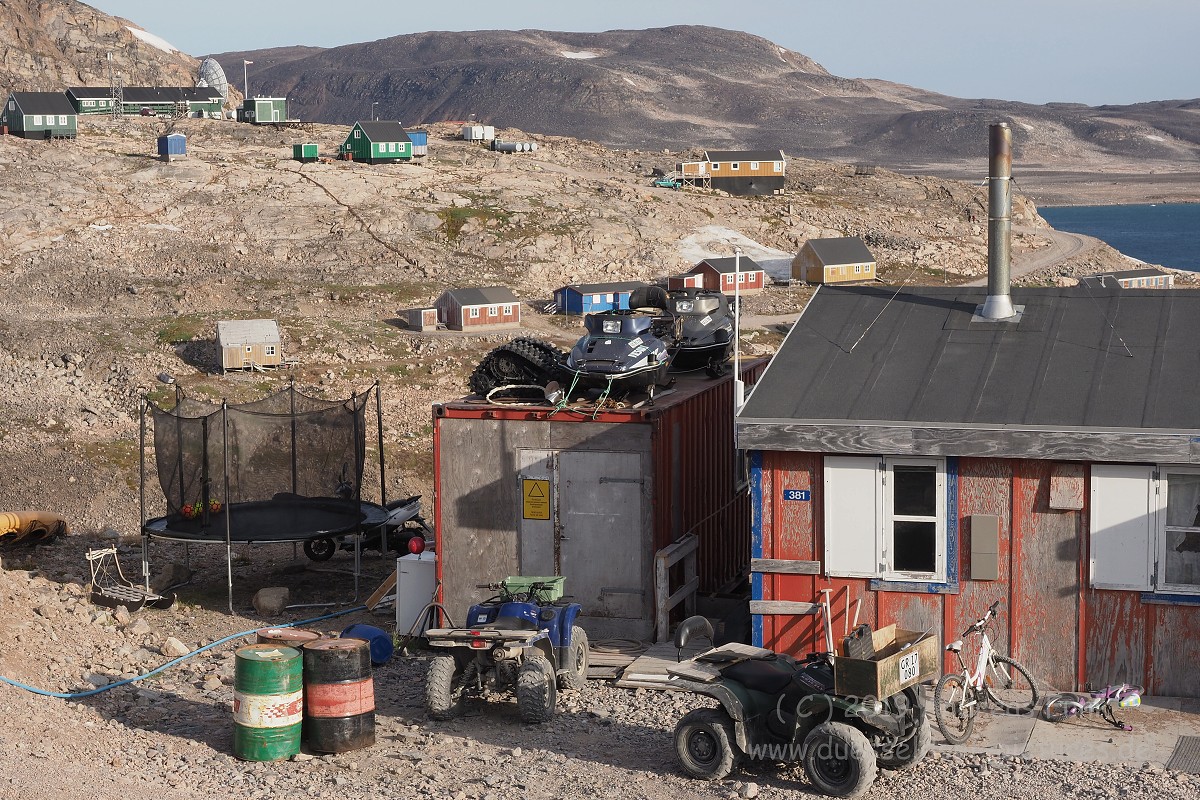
(586, 298)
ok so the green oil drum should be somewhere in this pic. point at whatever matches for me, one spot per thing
(268, 702)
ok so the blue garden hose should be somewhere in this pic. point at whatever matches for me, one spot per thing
(169, 664)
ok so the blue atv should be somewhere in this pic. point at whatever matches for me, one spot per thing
(523, 640)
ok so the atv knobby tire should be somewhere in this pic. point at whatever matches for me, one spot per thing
(444, 689)
(838, 760)
(537, 691)
(704, 743)
(574, 674)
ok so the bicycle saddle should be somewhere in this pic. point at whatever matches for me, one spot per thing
(954, 647)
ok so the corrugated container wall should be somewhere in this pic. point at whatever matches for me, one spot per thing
(535, 491)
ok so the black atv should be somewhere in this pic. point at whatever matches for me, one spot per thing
(774, 708)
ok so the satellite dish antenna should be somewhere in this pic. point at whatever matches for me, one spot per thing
(213, 76)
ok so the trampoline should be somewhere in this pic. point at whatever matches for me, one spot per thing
(295, 519)
(286, 468)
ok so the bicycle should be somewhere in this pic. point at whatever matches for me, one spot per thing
(1102, 702)
(996, 678)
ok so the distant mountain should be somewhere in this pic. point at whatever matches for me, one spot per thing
(689, 86)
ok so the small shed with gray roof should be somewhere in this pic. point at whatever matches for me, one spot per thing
(921, 461)
(588, 298)
(482, 308)
(377, 141)
(843, 259)
(249, 344)
(40, 115)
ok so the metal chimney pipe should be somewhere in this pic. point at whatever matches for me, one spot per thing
(998, 304)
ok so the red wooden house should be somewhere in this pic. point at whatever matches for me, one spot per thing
(727, 275)
(475, 309)
(920, 460)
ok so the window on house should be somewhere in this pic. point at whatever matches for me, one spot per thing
(1145, 528)
(716, 165)
(89, 103)
(779, 166)
(492, 311)
(741, 277)
(37, 119)
(735, 166)
(269, 350)
(753, 165)
(474, 312)
(357, 134)
(858, 269)
(249, 348)
(508, 310)
(885, 517)
(62, 120)
(597, 298)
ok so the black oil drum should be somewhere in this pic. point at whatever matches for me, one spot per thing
(339, 695)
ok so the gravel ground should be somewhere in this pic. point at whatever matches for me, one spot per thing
(170, 736)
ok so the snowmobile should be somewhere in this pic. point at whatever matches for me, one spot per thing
(620, 352)
(623, 350)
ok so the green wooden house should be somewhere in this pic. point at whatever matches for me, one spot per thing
(40, 115)
(377, 141)
(263, 110)
(190, 101)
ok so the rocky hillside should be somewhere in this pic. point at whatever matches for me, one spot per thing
(689, 86)
(121, 276)
(52, 44)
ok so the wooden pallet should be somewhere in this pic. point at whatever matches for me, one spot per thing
(649, 670)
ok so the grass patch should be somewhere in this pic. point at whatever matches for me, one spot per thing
(181, 329)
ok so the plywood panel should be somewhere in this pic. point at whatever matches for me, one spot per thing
(1175, 651)
(984, 487)
(1045, 605)
(1116, 639)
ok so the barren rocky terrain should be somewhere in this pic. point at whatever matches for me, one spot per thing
(115, 267)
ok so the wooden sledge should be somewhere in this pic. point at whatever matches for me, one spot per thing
(111, 588)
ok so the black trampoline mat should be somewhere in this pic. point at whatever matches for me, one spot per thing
(281, 520)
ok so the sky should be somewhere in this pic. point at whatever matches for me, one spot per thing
(1037, 51)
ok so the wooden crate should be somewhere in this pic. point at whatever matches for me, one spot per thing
(881, 676)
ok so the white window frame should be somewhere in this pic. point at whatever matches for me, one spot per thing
(493, 311)
(269, 350)
(741, 278)
(779, 166)
(473, 312)
(597, 298)
(1128, 535)
(754, 165)
(716, 165)
(508, 310)
(858, 269)
(37, 119)
(735, 166)
(357, 133)
(62, 120)
(858, 518)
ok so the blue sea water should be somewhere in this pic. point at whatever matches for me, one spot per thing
(1166, 234)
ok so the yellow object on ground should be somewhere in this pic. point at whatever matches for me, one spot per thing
(16, 526)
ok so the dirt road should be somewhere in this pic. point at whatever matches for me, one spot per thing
(1063, 246)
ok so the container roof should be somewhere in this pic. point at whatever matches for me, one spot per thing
(744, 155)
(231, 333)
(614, 286)
(1078, 357)
(384, 131)
(728, 264)
(487, 295)
(840, 250)
(44, 103)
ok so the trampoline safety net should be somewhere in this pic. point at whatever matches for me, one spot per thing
(287, 443)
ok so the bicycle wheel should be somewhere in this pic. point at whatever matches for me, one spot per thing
(1060, 706)
(1010, 686)
(954, 708)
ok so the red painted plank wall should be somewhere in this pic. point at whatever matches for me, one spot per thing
(1069, 637)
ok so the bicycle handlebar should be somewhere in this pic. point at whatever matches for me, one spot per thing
(981, 622)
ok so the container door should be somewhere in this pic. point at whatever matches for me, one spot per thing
(537, 513)
(601, 547)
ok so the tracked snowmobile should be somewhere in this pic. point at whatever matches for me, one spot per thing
(624, 350)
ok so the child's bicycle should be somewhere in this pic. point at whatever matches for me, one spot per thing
(1076, 704)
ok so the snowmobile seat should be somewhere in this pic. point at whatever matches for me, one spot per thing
(769, 676)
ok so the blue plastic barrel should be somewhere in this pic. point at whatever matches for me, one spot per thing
(379, 639)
